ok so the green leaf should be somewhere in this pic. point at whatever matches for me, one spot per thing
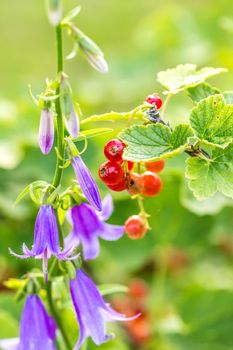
(92, 133)
(207, 176)
(106, 289)
(72, 14)
(113, 117)
(184, 76)
(212, 121)
(201, 91)
(154, 141)
(34, 185)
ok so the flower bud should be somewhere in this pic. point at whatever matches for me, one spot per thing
(54, 10)
(46, 131)
(91, 52)
(71, 118)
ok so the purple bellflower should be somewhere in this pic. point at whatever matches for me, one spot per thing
(46, 131)
(37, 329)
(88, 225)
(91, 310)
(86, 182)
(46, 239)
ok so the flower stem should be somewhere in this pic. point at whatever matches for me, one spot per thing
(55, 315)
(60, 124)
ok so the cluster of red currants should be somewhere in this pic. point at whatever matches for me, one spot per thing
(118, 175)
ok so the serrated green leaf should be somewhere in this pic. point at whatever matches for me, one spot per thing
(184, 76)
(212, 121)
(106, 289)
(93, 133)
(154, 141)
(113, 117)
(201, 91)
(207, 176)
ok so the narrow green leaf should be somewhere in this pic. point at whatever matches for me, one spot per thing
(154, 141)
(184, 76)
(201, 91)
(212, 121)
(72, 14)
(106, 289)
(113, 117)
(206, 177)
(34, 185)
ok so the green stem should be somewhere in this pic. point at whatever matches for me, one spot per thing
(165, 105)
(60, 124)
(55, 315)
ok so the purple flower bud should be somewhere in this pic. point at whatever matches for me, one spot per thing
(37, 329)
(46, 131)
(46, 239)
(54, 9)
(88, 226)
(91, 310)
(87, 183)
(69, 113)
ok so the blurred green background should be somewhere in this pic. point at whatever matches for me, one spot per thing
(186, 259)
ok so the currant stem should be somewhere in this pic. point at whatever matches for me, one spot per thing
(143, 213)
(165, 105)
(60, 124)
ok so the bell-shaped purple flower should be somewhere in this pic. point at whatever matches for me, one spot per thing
(91, 310)
(88, 225)
(86, 182)
(46, 131)
(46, 239)
(37, 329)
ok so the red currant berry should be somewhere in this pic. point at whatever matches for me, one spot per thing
(113, 150)
(134, 184)
(130, 165)
(135, 227)
(155, 167)
(154, 100)
(111, 173)
(151, 184)
(120, 186)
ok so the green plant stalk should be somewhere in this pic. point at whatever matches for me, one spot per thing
(58, 175)
(60, 124)
(56, 316)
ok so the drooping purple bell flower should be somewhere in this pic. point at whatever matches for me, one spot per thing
(46, 130)
(86, 182)
(91, 310)
(46, 239)
(37, 329)
(88, 225)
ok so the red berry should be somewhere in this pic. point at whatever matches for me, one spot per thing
(135, 227)
(155, 167)
(134, 184)
(113, 150)
(130, 165)
(154, 100)
(120, 186)
(111, 173)
(138, 288)
(151, 184)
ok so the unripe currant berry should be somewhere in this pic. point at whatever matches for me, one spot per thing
(134, 183)
(151, 184)
(155, 167)
(111, 173)
(154, 100)
(120, 186)
(113, 150)
(135, 227)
